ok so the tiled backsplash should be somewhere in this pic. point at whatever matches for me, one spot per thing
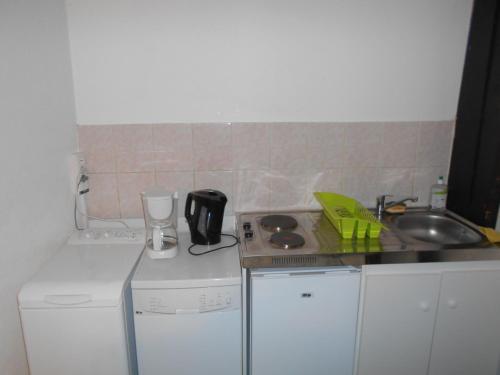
(262, 166)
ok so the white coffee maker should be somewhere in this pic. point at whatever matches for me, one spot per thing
(160, 216)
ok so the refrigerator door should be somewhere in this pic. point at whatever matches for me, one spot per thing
(304, 321)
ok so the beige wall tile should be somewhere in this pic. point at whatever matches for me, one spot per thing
(128, 138)
(326, 133)
(168, 137)
(175, 181)
(182, 182)
(103, 196)
(96, 142)
(100, 161)
(289, 189)
(396, 181)
(93, 138)
(210, 158)
(288, 133)
(251, 189)
(288, 146)
(365, 184)
(212, 147)
(399, 147)
(363, 144)
(134, 161)
(289, 156)
(250, 146)
(326, 146)
(173, 160)
(362, 184)
(212, 134)
(326, 180)
(263, 166)
(434, 144)
(130, 186)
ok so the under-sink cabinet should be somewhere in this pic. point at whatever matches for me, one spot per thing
(429, 319)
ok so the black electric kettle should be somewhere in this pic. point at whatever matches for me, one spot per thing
(205, 223)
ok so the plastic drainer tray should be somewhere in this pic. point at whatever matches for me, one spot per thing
(348, 216)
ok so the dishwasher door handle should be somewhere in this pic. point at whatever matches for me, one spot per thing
(164, 312)
(187, 311)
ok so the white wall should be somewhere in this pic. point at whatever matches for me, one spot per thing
(38, 133)
(267, 60)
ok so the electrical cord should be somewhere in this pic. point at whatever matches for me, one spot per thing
(237, 241)
(80, 178)
(74, 216)
(98, 218)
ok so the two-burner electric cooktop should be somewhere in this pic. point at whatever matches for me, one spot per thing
(294, 239)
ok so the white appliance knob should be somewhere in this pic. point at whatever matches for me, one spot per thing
(452, 303)
(106, 234)
(424, 306)
(88, 235)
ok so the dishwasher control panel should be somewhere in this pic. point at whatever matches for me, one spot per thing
(186, 301)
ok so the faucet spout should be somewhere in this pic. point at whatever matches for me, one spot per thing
(383, 204)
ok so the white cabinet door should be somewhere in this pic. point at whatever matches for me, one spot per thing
(304, 324)
(467, 334)
(398, 313)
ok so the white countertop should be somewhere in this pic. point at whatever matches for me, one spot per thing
(221, 267)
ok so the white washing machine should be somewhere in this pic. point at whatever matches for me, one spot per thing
(187, 312)
(76, 312)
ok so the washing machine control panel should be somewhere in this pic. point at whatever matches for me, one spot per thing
(186, 301)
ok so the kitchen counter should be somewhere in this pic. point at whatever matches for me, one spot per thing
(391, 247)
(430, 310)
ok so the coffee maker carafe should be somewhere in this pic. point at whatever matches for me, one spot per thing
(160, 216)
(205, 223)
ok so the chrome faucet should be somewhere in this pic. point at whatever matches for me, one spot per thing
(382, 205)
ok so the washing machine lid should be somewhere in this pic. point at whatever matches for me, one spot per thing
(219, 268)
(82, 276)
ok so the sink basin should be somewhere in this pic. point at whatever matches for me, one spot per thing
(437, 228)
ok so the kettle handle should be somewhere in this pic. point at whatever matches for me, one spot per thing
(187, 208)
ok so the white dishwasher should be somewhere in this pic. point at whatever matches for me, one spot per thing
(303, 320)
(187, 313)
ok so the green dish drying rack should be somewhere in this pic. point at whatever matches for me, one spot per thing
(348, 216)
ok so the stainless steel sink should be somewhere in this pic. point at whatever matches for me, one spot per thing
(437, 228)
